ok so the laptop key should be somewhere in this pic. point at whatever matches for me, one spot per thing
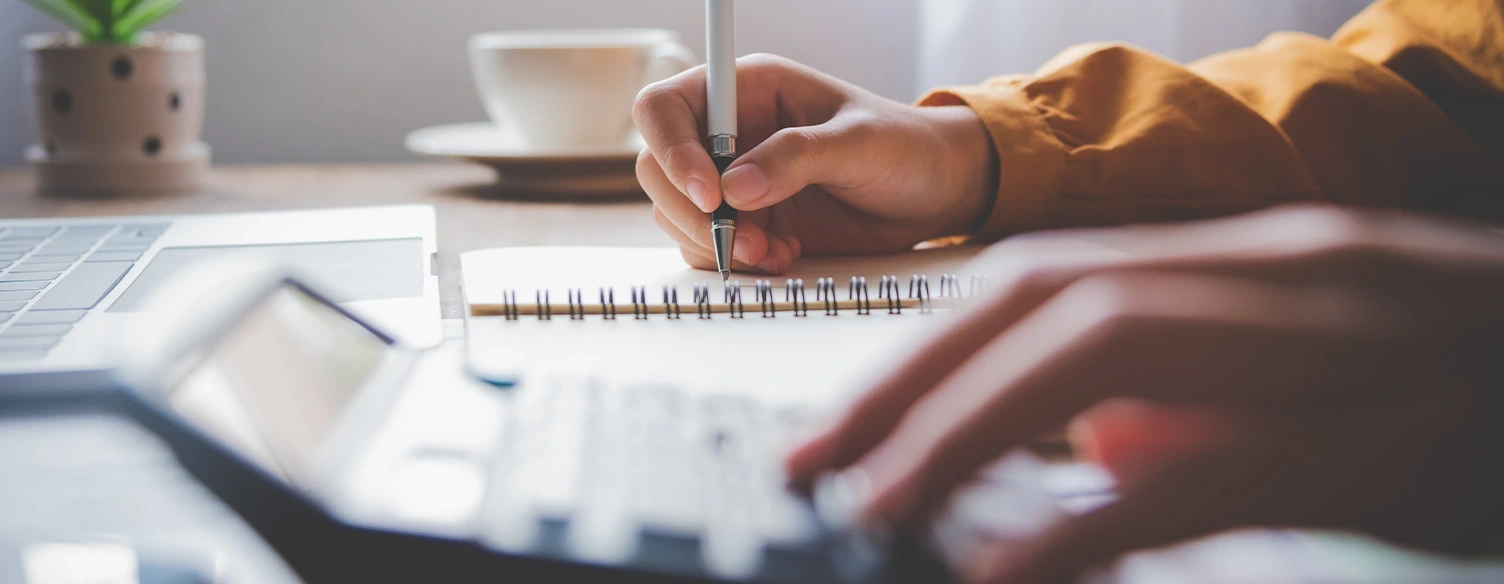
(12, 306)
(59, 249)
(115, 256)
(9, 256)
(30, 277)
(10, 286)
(124, 246)
(38, 267)
(35, 330)
(88, 230)
(28, 343)
(17, 295)
(31, 231)
(51, 316)
(84, 287)
(66, 259)
(22, 355)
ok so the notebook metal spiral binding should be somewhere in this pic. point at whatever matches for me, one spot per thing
(639, 302)
(765, 302)
(576, 304)
(857, 293)
(795, 301)
(919, 287)
(825, 292)
(545, 307)
(608, 303)
(509, 304)
(887, 289)
(733, 300)
(793, 295)
(702, 300)
(671, 302)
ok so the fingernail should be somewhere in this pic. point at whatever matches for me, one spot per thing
(696, 192)
(744, 184)
(742, 248)
(768, 264)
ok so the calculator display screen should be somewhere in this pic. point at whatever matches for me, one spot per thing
(276, 382)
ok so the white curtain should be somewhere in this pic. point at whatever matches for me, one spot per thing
(966, 41)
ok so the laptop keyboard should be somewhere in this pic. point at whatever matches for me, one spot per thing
(50, 276)
(639, 472)
(657, 478)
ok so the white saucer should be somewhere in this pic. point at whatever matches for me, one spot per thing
(582, 171)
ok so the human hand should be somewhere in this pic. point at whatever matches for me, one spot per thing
(826, 168)
(1304, 366)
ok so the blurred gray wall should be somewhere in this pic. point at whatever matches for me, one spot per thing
(345, 80)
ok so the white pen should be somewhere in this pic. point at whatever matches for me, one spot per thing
(720, 94)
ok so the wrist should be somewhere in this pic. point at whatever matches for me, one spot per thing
(968, 184)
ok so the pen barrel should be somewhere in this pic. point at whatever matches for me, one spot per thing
(722, 161)
(725, 211)
(720, 59)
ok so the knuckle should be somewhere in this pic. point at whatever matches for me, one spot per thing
(1329, 230)
(797, 147)
(763, 62)
(678, 159)
(1108, 306)
(646, 163)
(653, 99)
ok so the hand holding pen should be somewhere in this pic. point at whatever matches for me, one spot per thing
(823, 167)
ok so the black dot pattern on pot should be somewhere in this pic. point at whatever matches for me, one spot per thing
(62, 101)
(174, 101)
(151, 145)
(122, 67)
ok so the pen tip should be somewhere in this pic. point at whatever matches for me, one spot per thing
(726, 276)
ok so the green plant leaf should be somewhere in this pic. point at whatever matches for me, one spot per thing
(143, 14)
(70, 15)
(119, 7)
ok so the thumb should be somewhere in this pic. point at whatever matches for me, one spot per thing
(788, 161)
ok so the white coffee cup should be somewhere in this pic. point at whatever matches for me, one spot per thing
(571, 89)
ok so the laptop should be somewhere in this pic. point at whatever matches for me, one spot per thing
(69, 287)
(359, 459)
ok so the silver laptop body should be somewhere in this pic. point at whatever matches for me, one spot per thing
(69, 287)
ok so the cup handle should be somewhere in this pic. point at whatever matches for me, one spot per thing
(669, 58)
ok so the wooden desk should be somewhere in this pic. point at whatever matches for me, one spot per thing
(471, 214)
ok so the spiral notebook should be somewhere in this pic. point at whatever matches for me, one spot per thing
(641, 314)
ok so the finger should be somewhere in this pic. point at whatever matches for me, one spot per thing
(1295, 244)
(1172, 337)
(870, 419)
(1132, 438)
(668, 114)
(1355, 469)
(694, 254)
(831, 154)
(1197, 496)
(780, 256)
(751, 245)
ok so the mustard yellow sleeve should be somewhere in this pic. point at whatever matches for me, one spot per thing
(1398, 109)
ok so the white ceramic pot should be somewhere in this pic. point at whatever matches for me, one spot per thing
(117, 119)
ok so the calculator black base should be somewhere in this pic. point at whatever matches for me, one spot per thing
(321, 549)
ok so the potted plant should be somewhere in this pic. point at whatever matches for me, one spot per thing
(118, 110)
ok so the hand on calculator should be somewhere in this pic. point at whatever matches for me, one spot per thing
(1304, 366)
